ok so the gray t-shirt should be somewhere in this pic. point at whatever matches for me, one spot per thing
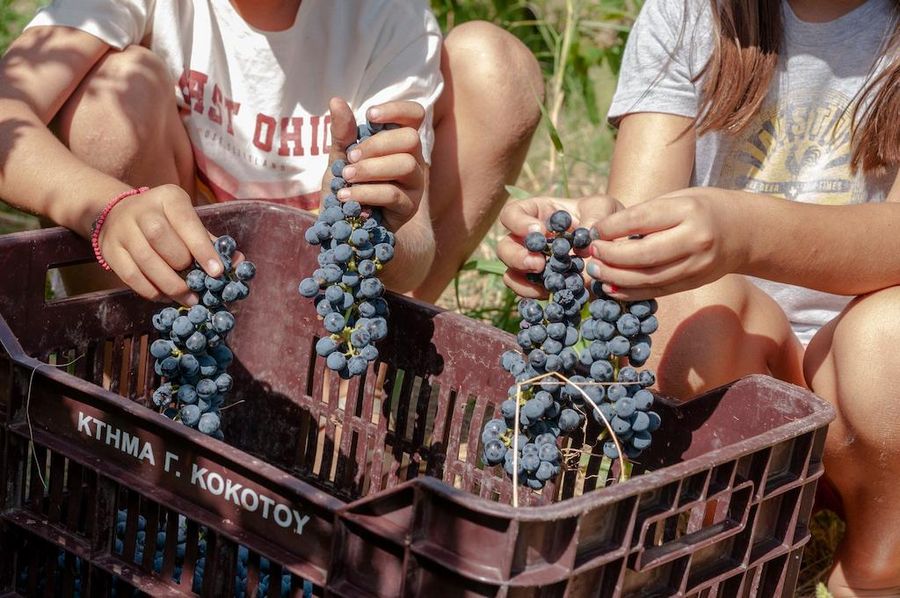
(798, 145)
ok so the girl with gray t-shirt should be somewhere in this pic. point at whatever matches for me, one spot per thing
(757, 156)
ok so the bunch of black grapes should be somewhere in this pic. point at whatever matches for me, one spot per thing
(620, 331)
(547, 336)
(353, 248)
(192, 355)
(609, 332)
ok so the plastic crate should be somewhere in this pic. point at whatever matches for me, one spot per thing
(367, 488)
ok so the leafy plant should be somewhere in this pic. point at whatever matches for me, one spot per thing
(569, 38)
(12, 19)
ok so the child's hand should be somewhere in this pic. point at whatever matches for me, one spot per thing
(689, 238)
(387, 169)
(525, 216)
(148, 238)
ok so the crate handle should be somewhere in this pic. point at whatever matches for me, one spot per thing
(709, 520)
(25, 259)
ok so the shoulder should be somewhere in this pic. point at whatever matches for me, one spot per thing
(684, 19)
(682, 30)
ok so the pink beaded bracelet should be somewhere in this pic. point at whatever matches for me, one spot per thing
(98, 224)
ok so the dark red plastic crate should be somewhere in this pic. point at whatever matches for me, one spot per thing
(381, 475)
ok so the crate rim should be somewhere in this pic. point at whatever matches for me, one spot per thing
(823, 413)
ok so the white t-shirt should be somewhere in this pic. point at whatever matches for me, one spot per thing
(798, 145)
(255, 103)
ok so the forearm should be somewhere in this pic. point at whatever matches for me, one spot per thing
(846, 250)
(41, 176)
(413, 255)
(653, 156)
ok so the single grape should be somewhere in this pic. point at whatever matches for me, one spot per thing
(196, 280)
(494, 452)
(334, 323)
(560, 221)
(190, 415)
(161, 348)
(309, 288)
(209, 423)
(336, 361)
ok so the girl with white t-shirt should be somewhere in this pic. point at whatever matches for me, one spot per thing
(213, 100)
(756, 160)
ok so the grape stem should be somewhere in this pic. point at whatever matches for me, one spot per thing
(624, 473)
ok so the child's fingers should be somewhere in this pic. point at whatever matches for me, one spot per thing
(641, 219)
(128, 272)
(401, 112)
(511, 252)
(165, 241)
(647, 279)
(343, 127)
(523, 216)
(237, 257)
(159, 273)
(402, 168)
(522, 287)
(642, 294)
(656, 249)
(190, 229)
(396, 141)
(384, 195)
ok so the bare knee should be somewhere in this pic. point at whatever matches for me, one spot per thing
(121, 112)
(853, 364)
(718, 333)
(494, 68)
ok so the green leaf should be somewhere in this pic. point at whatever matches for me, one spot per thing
(551, 129)
(487, 266)
(517, 193)
(580, 81)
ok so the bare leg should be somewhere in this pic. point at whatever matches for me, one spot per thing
(123, 120)
(484, 121)
(715, 334)
(852, 363)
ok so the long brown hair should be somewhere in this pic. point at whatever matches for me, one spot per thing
(735, 81)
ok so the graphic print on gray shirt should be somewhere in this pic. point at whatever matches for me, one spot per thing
(798, 146)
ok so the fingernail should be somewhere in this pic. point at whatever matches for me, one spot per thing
(343, 193)
(612, 288)
(595, 251)
(374, 112)
(355, 155)
(192, 300)
(595, 234)
(214, 267)
(534, 227)
(593, 270)
(349, 172)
